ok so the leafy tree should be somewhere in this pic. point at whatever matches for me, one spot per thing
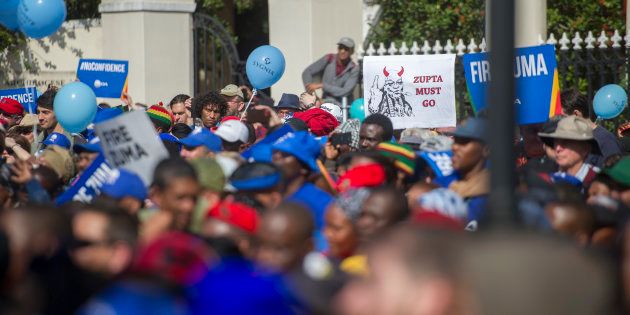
(419, 20)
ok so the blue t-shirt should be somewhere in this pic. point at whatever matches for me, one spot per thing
(316, 200)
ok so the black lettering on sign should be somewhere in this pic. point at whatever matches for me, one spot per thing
(127, 153)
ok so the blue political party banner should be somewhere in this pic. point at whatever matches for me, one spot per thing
(26, 96)
(106, 77)
(536, 78)
(88, 185)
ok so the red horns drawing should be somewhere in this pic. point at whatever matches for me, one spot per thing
(400, 73)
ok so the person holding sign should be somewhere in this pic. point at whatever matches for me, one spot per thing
(339, 73)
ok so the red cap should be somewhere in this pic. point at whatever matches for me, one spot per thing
(177, 256)
(368, 175)
(236, 214)
(11, 106)
(226, 118)
(319, 121)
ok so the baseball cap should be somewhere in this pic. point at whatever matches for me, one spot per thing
(346, 41)
(237, 214)
(103, 114)
(301, 145)
(123, 183)
(202, 136)
(473, 128)
(232, 131)
(255, 176)
(93, 145)
(11, 106)
(333, 109)
(59, 139)
(232, 90)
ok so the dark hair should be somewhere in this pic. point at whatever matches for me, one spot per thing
(172, 168)
(179, 98)
(251, 136)
(181, 130)
(298, 215)
(382, 121)
(172, 148)
(47, 98)
(48, 179)
(399, 205)
(573, 100)
(202, 100)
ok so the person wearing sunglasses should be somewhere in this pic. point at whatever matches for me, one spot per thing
(338, 72)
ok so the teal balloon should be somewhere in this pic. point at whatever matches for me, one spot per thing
(265, 66)
(357, 109)
(610, 101)
(75, 106)
(8, 14)
(40, 18)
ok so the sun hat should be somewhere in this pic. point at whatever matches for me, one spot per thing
(290, 101)
(302, 145)
(232, 131)
(571, 128)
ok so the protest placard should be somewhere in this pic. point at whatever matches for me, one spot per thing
(130, 141)
(106, 77)
(26, 96)
(88, 185)
(536, 78)
(413, 91)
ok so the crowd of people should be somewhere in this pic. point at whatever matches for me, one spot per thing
(288, 208)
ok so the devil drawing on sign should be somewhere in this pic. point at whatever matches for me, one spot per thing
(389, 99)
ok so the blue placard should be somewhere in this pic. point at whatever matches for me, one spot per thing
(26, 96)
(87, 186)
(536, 79)
(106, 77)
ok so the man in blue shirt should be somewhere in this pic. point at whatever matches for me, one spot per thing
(296, 154)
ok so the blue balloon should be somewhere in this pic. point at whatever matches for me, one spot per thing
(40, 18)
(75, 106)
(610, 101)
(357, 109)
(8, 14)
(265, 66)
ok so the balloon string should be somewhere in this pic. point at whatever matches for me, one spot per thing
(248, 103)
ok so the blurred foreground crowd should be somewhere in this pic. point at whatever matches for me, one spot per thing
(288, 208)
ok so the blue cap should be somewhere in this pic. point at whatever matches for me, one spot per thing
(291, 101)
(562, 177)
(123, 183)
(255, 176)
(93, 146)
(58, 139)
(261, 152)
(302, 145)
(202, 136)
(103, 114)
(473, 128)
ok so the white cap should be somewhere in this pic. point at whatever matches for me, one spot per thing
(232, 131)
(334, 110)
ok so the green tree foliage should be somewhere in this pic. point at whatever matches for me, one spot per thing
(585, 15)
(409, 20)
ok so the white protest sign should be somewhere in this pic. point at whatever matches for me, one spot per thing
(129, 141)
(413, 91)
